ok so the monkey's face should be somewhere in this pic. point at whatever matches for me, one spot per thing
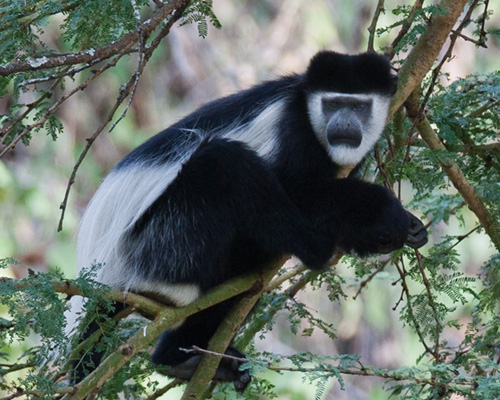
(347, 125)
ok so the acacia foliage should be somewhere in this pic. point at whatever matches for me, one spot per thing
(443, 141)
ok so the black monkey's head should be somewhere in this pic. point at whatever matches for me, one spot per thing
(348, 98)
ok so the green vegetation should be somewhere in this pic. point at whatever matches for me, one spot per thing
(82, 82)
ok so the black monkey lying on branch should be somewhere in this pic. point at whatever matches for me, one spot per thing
(240, 182)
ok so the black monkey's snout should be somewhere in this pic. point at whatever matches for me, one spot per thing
(344, 128)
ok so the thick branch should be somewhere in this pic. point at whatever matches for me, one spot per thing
(120, 46)
(223, 336)
(425, 52)
(165, 319)
(449, 53)
(148, 306)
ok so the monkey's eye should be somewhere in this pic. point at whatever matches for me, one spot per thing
(360, 106)
(332, 104)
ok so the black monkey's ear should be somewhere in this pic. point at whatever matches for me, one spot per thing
(417, 234)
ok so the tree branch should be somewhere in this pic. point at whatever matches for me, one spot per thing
(52, 109)
(224, 334)
(373, 26)
(120, 46)
(457, 387)
(405, 27)
(165, 319)
(438, 324)
(426, 50)
(140, 303)
(449, 52)
(455, 174)
(406, 293)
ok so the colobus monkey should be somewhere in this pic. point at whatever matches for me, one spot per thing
(241, 181)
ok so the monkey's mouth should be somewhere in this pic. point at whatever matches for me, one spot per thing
(343, 139)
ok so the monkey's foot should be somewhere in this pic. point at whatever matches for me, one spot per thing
(228, 370)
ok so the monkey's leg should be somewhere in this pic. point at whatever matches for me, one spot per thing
(174, 349)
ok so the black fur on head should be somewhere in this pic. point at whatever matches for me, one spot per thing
(342, 73)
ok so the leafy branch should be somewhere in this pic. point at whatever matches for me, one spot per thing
(121, 46)
(457, 177)
(421, 58)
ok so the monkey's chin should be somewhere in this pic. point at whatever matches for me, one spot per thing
(345, 155)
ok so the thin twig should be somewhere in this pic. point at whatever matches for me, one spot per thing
(373, 26)
(29, 107)
(438, 325)
(122, 95)
(196, 349)
(55, 106)
(311, 275)
(479, 42)
(280, 279)
(382, 373)
(490, 103)
(370, 277)
(67, 72)
(463, 237)
(176, 382)
(139, 69)
(407, 294)
(339, 369)
(381, 168)
(484, 17)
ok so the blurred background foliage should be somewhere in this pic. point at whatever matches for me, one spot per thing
(259, 40)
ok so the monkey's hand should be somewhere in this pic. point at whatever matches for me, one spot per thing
(417, 234)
